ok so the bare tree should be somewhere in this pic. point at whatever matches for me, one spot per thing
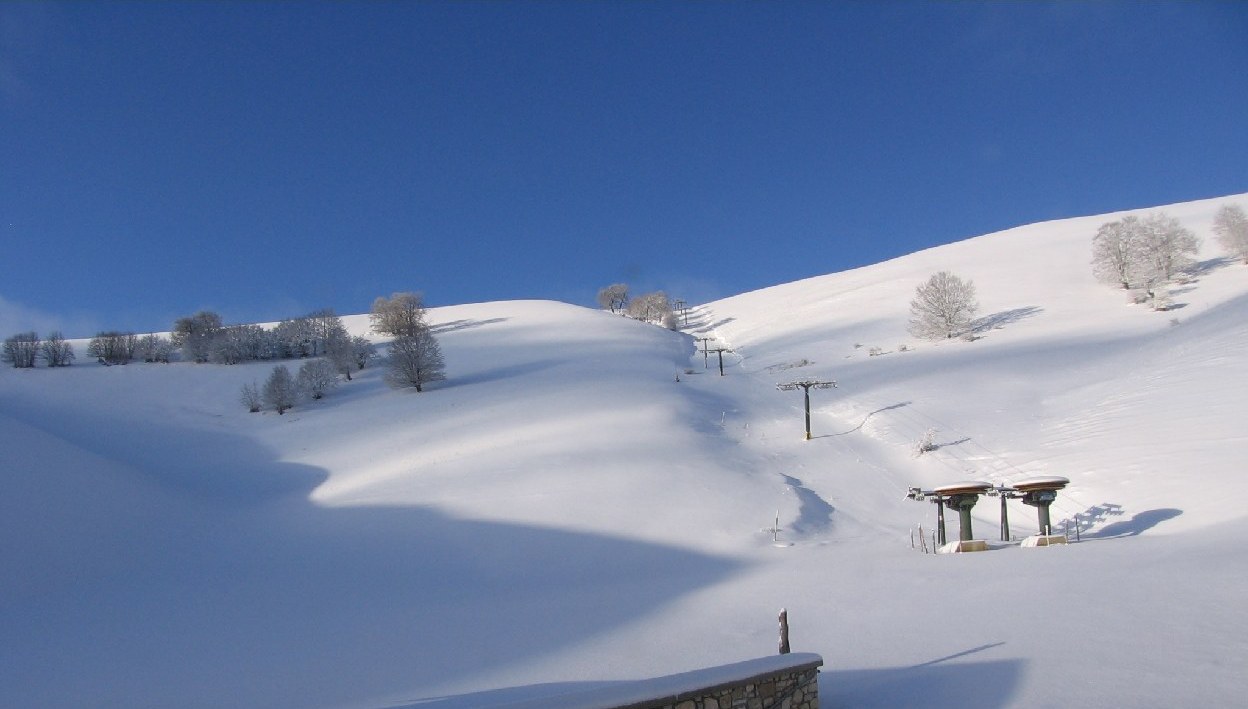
(56, 351)
(338, 350)
(234, 344)
(194, 334)
(363, 351)
(415, 360)
(650, 307)
(1231, 226)
(614, 297)
(280, 391)
(251, 398)
(113, 347)
(943, 308)
(21, 350)
(154, 348)
(1166, 250)
(400, 315)
(316, 377)
(1115, 251)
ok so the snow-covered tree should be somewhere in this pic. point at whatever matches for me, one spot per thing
(56, 351)
(400, 315)
(154, 348)
(294, 338)
(251, 398)
(650, 307)
(235, 344)
(614, 297)
(280, 391)
(316, 377)
(1166, 250)
(415, 360)
(1231, 226)
(21, 350)
(322, 325)
(363, 351)
(1116, 251)
(943, 307)
(338, 351)
(194, 334)
(113, 347)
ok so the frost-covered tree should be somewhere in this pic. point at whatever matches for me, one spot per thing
(1143, 254)
(322, 325)
(400, 315)
(21, 350)
(943, 307)
(650, 307)
(234, 344)
(614, 297)
(154, 348)
(280, 391)
(250, 397)
(56, 351)
(363, 351)
(1231, 226)
(113, 347)
(294, 338)
(316, 377)
(1116, 251)
(338, 351)
(1166, 250)
(348, 353)
(415, 360)
(194, 335)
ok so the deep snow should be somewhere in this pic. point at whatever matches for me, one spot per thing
(563, 513)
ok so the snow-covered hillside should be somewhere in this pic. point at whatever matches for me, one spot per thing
(582, 502)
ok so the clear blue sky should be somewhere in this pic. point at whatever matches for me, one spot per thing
(267, 159)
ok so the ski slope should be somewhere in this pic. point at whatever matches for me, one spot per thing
(582, 502)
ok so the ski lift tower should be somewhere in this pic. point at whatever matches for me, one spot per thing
(962, 497)
(1040, 492)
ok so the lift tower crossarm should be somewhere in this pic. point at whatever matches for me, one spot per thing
(806, 385)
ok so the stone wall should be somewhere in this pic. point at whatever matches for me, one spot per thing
(796, 689)
(775, 682)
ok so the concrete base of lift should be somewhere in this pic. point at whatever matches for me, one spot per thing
(963, 546)
(1044, 540)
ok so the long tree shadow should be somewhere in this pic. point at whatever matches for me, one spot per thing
(1003, 318)
(160, 566)
(454, 325)
(932, 684)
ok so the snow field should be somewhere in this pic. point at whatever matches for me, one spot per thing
(561, 512)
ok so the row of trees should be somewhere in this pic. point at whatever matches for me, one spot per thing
(1144, 254)
(281, 391)
(25, 349)
(648, 307)
(414, 359)
(203, 338)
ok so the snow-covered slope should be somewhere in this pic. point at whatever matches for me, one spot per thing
(563, 511)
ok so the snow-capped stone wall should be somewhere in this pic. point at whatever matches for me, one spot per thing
(777, 682)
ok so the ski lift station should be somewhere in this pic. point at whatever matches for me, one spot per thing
(1039, 492)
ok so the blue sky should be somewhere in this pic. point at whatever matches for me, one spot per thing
(267, 159)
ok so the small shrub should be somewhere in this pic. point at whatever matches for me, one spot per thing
(926, 442)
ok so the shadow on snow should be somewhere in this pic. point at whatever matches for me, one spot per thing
(193, 570)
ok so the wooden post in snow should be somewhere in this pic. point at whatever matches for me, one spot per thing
(784, 632)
